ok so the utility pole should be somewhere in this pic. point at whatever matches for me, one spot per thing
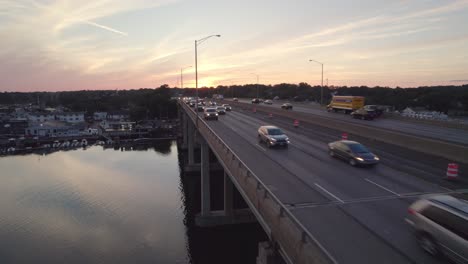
(321, 88)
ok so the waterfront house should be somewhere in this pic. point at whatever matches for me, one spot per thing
(37, 117)
(70, 117)
(54, 129)
(118, 116)
(99, 116)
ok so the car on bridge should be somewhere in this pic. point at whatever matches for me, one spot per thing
(268, 102)
(200, 108)
(287, 106)
(210, 113)
(352, 152)
(272, 136)
(441, 225)
(227, 107)
(221, 110)
(255, 101)
(235, 100)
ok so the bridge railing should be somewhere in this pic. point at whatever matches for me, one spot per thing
(297, 244)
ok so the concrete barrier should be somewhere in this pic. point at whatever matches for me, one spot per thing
(434, 147)
(432, 122)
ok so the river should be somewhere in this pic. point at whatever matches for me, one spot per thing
(99, 205)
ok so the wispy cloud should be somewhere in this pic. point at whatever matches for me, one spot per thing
(124, 42)
(106, 28)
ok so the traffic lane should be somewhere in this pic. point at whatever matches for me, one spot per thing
(386, 218)
(436, 132)
(365, 200)
(314, 153)
(383, 221)
(347, 240)
(335, 179)
(426, 167)
(440, 133)
(352, 235)
(289, 189)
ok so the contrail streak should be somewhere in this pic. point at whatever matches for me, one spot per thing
(106, 28)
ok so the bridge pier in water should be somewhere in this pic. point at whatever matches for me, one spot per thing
(218, 196)
(227, 215)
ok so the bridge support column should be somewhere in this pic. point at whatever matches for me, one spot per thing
(191, 143)
(267, 253)
(205, 179)
(185, 123)
(228, 196)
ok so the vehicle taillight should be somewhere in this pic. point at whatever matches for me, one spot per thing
(411, 211)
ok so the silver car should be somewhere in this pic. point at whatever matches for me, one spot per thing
(441, 225)
(227, 107)
(272, 136)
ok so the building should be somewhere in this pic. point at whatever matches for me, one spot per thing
(37, 117)
(99, 116)
(70, 117)
(54, 129)
(117, 125)
(118, 116)
(19, 113)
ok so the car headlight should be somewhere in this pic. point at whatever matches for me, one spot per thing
(273, 139)
(216, 114)
(360, 159)
(376, 158)
(287, 139)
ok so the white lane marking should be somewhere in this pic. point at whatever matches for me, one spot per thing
(369, 199)
(264, 149)
(447, 189)
(378, 185)
(329, 193)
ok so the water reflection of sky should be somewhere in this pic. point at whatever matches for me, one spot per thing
(91, 206)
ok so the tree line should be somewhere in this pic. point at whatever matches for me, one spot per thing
(434, 98)
(146, 103)
(157, 102)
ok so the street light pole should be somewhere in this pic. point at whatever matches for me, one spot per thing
(321, 88)
(257, 82)
(198, 42)
(182, 77)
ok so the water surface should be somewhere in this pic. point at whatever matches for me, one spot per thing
(107, 206)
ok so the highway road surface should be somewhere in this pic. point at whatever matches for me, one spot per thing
(357, 214)
(454, 135)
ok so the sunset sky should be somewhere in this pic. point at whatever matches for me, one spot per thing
(50, 45)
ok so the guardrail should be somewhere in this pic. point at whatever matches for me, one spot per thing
(448, 150)
(298, 245)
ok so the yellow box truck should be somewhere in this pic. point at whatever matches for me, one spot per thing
(346, 103)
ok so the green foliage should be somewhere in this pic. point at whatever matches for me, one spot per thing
(150, 103)
(141, 104)
(437, 98)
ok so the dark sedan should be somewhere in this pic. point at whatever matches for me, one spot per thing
(221, 110)
(352, 152)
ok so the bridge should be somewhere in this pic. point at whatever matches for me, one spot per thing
(313, 208)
